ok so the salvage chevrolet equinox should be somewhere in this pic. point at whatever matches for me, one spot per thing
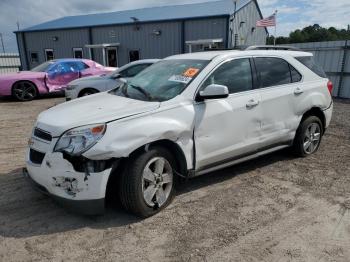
(184, 116)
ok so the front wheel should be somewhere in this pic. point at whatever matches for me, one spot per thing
(88, 92)
(147, 183)
(24, 91)
(308, 137)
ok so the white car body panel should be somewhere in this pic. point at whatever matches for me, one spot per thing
(212, 132)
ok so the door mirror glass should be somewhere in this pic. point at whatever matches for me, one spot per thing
(214, 91)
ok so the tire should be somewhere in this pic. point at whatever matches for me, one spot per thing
(87, 92)
(146, 193)
(24, 91)
(308, 136)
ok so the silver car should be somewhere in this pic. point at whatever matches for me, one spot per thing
(95, 84)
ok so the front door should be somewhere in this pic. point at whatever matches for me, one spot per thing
(112, 59)
(60, 75)
(228, 128)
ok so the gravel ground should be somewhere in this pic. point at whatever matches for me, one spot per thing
(275, 208)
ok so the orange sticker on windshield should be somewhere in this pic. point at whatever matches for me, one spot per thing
(191, 72)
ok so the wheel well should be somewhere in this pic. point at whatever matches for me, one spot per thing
(174, 149)
(120, 164)
(316, 111)
(19, 81)
(86, 89)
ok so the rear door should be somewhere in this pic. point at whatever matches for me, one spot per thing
(279, 84)
(228, 128)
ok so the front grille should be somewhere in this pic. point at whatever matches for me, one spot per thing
(42, 134)
(36, 157)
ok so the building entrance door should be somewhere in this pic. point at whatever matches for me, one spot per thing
(112, 57)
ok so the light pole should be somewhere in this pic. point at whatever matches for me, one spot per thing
(2, 43)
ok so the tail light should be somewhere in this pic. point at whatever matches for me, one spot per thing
(330, 86)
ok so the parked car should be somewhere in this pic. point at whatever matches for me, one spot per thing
(51, 76)
(95, 84)
(184, 116)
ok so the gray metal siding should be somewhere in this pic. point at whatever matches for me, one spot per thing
(21, 51)
(206, 29)
(144, 40)
(249, 15)
(63, 47)
(330, 55)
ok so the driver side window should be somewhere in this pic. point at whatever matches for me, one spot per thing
(235, 74)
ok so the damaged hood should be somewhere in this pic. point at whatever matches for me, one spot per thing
(99, 108)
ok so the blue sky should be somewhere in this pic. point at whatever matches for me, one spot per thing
(292, 14)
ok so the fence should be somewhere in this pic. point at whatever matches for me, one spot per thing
(334, 57)
(9, 62)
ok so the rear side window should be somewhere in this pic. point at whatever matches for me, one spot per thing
(134, 70)
(273, 71)
(236, 75)
(309, 62)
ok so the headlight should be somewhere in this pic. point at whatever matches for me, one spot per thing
(78, 140)
(71, 87)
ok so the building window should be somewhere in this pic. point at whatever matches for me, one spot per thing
(78, 53)
(134, 55)
(49, 55)
(34, 57)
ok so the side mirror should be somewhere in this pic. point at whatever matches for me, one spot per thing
(116, 76)
(213, 91)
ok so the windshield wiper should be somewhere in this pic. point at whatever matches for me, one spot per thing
(143, 91)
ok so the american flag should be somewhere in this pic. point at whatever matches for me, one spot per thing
(266, 22)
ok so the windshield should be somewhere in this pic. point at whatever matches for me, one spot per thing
(162, 81)
(43, 67)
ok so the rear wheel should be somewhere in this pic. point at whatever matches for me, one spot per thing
(24, 91)
(87, 92)
(308, 137)
(147, 183)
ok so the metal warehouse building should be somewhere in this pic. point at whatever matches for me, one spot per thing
(116, 38)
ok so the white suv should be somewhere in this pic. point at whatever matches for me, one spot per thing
(181, 117)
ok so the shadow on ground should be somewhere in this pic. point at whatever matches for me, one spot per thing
(25, 212)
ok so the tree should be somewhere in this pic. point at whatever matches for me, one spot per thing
(312, 33)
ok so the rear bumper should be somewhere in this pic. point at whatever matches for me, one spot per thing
(328, 115)
(85, 207)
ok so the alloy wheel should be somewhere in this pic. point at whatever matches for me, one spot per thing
(312, 138)
(157, 182)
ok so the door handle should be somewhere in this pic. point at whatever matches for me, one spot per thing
(298, 91)
(252, 103)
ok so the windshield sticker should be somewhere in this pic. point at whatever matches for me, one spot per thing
(180, 79)
(191, 72)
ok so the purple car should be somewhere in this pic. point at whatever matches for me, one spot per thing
(49, 77)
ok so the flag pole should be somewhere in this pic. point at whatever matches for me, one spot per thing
(274, 38)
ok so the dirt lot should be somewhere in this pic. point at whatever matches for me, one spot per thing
(275, 208)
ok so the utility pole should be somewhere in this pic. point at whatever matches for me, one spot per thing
(17, 23)
(2, 43)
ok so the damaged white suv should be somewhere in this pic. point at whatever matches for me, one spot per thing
(183, 116)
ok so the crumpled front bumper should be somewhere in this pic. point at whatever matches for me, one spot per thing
(85, 207)
(56, 176)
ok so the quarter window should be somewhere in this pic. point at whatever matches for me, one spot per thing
(309, 62)
(236, 75)
(273, 71)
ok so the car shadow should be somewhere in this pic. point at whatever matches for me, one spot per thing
(25, 212)
(9, 99)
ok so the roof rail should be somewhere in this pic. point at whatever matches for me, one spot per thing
(272, 47)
